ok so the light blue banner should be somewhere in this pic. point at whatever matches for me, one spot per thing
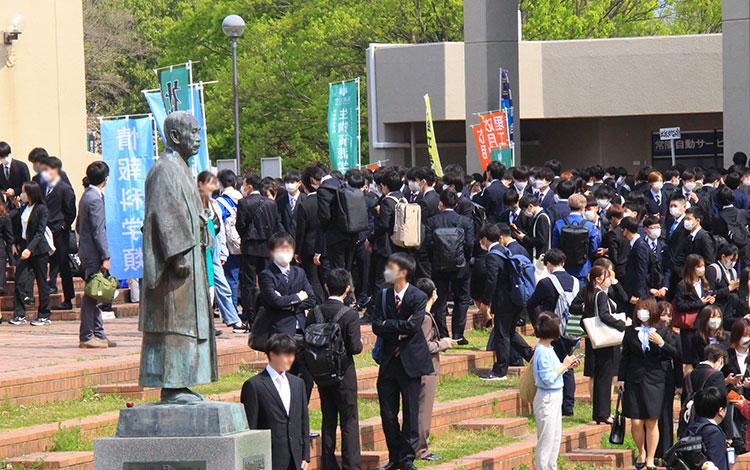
(128, 149)
(156, 104)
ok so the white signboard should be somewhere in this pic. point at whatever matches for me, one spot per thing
(270, 167)
(226, 164)
(669, 133)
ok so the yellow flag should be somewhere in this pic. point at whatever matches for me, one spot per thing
(431, 142)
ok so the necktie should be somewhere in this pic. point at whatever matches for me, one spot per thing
(49, 190)
(512, 218)
(658, 199)
(291, 204)
(286, 276)
(397, 301)
(283, 393)
(7, 172)
(674, 226)
(539, 197)
(653, 246)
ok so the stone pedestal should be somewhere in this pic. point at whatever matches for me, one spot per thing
(202, 436)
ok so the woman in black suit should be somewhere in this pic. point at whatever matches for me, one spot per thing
(34, 256)
(598, 302)
(642, 378)
(673, 380)
(737, 374)
(691, 295)
(709, 329)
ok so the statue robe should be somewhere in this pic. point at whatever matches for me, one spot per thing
(179, 348)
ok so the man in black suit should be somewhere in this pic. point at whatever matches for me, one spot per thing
(537, 236)
(636, 266)
(699, 240)
(512, 214)
(659, 259)
(510, 348)
(561, 208)
(61, 203)
(677, 238)
(361, 262)
(13, 173)
(542, 190)
(308, 230)
(491, 198)
(379, 240)
(455, 181)
(289, 200)
(656, 199)
(285, 293)
(338, 249)
(732, 220)
(257, 220)
(405, 358)
(710, 409)
(340, 400)
(454, 279)
(36, 156)
(275, 400)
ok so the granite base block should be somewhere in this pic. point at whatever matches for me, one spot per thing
(247, 450)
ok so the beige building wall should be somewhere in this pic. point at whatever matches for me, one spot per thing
(42, 83)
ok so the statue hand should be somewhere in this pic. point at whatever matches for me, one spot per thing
(181, 267)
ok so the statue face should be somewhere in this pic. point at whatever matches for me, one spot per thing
(185, 135)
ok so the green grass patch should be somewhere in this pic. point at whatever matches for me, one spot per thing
(38, 465)
(70, 440)
(629, 443)
(460, 443)
(470, 385)
(366, 408)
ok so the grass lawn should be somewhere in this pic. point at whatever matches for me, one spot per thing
(367, 409)
(460, 443)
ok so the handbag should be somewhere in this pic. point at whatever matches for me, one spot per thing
(101, 287)
(617, 430)
(574, 326)
(600, 334)
(526, 384)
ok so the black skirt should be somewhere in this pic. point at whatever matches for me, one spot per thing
(643, 400)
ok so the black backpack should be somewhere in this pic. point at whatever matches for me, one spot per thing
(688, 453)
(324, 348)
(574, 242)
(353, 209)
(737, 229)
(448, 249)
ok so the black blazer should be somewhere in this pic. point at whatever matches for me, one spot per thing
(380, 237)
(286, 214)
(701, 375)
(699, 353)
(401, 330)
(677, 239)
(446, 219)
(61, 204)
(618, 248)
(733, 367)
(702, 244)
(636, 269)
(429, 203)
(19, 174)
(657, 209)
(307, 226)
(285, 311)
(538, 235)
(35, 240)
(686, 299)
(465, 207)
(330, 214)
(558, 210)
(604, 303)
(492, 200)
(498, 282)
(257, 219)
(290, 434)
(548, 200)
(37, 178)
(350, 333)
(545, 295)
(646, 368)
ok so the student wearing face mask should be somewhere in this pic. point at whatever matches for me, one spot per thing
(676, 237)
(656, 199)
(723, 279)
(692, 294)
(538, 240)
(673, 379)
(521, 180)
(13, 173)
(659, 262)
(736, 370)
(285, 293)
(710, 405)
(289, 200)
(642, 378)
(699, 240)
(542, 190)
(709, 329)
(636, 267)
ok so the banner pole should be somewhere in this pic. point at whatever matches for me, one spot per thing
(123, 116)
(359, 127)
(203, 113)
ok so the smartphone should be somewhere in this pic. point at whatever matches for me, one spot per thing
(580, 356)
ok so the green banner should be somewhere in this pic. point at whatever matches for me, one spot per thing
(343, 124)
(175, 87)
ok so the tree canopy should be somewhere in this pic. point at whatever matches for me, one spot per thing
(292, 49)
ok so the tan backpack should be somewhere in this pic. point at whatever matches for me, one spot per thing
(407, 227)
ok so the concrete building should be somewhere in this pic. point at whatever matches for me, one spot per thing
(585, 102)
(42, 82)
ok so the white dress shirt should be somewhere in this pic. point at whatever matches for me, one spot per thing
(25, 215)
(281, 382)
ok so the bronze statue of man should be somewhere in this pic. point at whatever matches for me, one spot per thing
(178, 349)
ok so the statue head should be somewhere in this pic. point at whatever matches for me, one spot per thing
(181, 130)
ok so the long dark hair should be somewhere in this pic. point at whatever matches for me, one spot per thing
(688, 273)
(702, 321)
(590, 296)
(33, 192)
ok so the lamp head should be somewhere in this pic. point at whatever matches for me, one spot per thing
(233, 26)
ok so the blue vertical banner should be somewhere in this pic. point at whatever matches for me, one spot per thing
(155, 102)
(128, 149)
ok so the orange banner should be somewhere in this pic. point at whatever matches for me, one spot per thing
(483, 149)
(496, 129)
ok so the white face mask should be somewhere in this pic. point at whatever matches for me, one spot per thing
(24, 198)
(414, 186)
(520, 186)
(654, 233)
(745, 341)
(7, 160)
(689, 225)
(690, 186)
(666, 321)
(714, 323)
(46, 177)
(700, 271)
(589, 215)
(389, 276)
(445, 186)
(643, 315)
(602, 203)
(728, 264)
(746, 181)
(657, 186)
(675, 212)
(283, 258)
(539, 184)
(291, 188)
(374, 188)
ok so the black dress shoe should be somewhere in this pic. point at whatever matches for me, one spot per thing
(63, 306)
(462, 341)
(408, 466)
(388, 466)
(431, 457)
(53, 290)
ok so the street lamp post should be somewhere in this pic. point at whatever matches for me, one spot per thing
(233, 26)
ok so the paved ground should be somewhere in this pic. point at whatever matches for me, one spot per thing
(26, 347)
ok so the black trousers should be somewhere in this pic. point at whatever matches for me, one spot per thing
(456, 283)
(666, 418)
(250, 267)
(27, 270)
(377, 283)
(58, 263)
(313, 275)
(510, 347)
(338, 403)
(339, 255)
(300, 370)
(563, 348)
(395, 386)
(361, 271)
(604, 370)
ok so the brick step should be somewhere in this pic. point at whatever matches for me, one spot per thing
(121, 311)
(369, 394)
(371, 459)
(602, 458)
(130, 390)
(582, 396)
(55, 461)
(7, 302)
(78, 285)
(509, 427)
